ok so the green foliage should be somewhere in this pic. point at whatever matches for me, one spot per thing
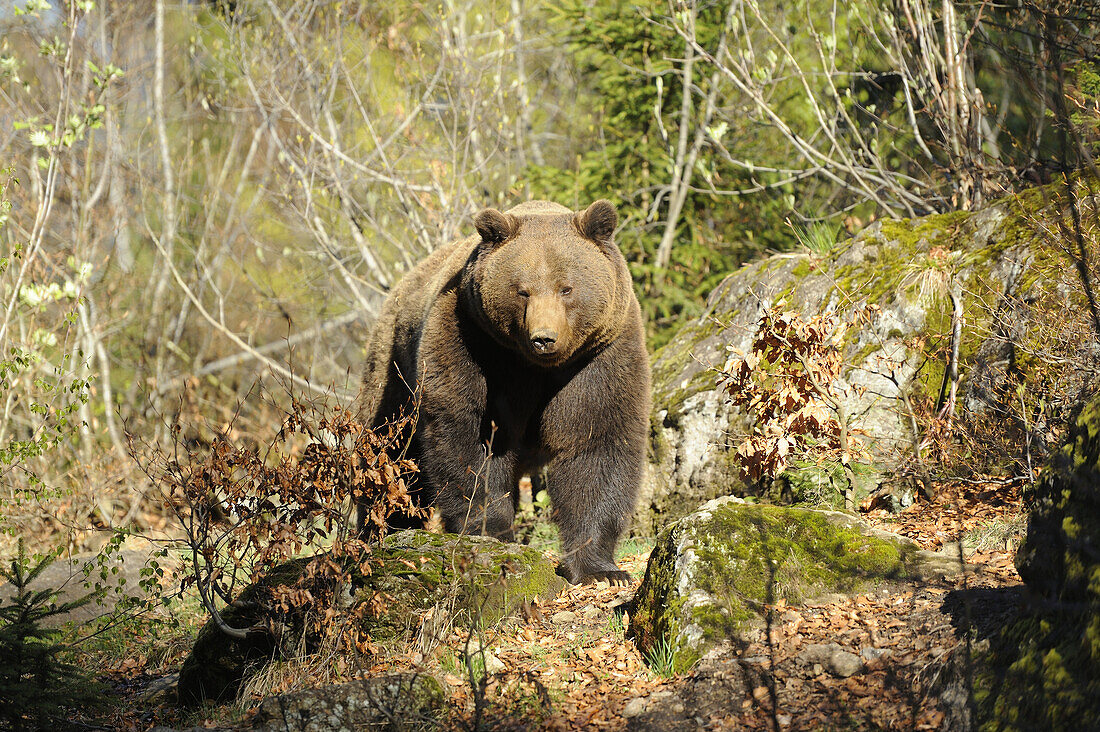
(51, 395)
(790, 383)
(534, 526)
(616, 627)
(629, 63)
(36, 685)
(1084, 99)
(818, 238)
(661, 658)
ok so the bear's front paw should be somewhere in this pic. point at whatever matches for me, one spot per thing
(614, 577)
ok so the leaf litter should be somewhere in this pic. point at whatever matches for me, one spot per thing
(567, 664)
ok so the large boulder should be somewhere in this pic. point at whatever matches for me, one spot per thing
(711, 573)
(1042, 670)
(462, 579)
(1021, 301)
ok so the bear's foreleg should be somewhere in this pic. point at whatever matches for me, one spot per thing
(592, 495)
(474, 488)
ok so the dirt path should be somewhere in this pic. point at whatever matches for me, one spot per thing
(572, 668)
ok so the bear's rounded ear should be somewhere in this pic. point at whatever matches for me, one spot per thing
(597, 222)
(494, 227)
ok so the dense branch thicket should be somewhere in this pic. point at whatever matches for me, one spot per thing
(215, 194)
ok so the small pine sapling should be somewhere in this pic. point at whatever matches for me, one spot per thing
(790, 383)
(36, 685)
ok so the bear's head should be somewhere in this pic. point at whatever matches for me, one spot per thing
(548, 282)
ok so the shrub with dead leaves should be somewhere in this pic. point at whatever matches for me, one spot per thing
(247, 513)
(790, 383)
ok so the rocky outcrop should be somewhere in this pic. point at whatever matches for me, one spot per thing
(1042, 670)
(459, 579)
(1020, 300)
(711, 573)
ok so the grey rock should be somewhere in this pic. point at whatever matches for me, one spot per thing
(634, 707)
(160, 690)
(871, 654)
(477, 654)
(494, 665)
(998, 250)
(835, 659)
(562, 617)
(394, 702)
(711, 572)
(499, 578)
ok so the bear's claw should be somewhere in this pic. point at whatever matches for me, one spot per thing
(614, 577)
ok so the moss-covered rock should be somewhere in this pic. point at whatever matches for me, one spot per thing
(1043, 670)
(711, 573)
(1060, 558)
(468, 578)
(1017, 287)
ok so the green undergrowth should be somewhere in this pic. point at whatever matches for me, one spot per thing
(159, 639)
(822, 485)
(1041, 672)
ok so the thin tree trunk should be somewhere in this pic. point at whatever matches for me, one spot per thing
(160, 324)
(945, 402)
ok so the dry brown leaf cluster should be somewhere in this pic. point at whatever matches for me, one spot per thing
(790, 384)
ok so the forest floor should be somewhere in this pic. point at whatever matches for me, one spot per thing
(862, 662)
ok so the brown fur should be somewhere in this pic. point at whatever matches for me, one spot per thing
(528, 336)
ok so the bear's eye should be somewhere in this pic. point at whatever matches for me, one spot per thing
(566, 290)
(522, 292)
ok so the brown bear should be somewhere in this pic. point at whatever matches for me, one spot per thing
(522, 347)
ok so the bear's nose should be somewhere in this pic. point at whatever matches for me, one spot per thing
(543, 341)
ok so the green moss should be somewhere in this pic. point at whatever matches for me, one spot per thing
(671, 360)
(747, 556)
(673, 403)
(482, 581)
(861, 355)
(803, 269)
(1039, 674)
(658, 445)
